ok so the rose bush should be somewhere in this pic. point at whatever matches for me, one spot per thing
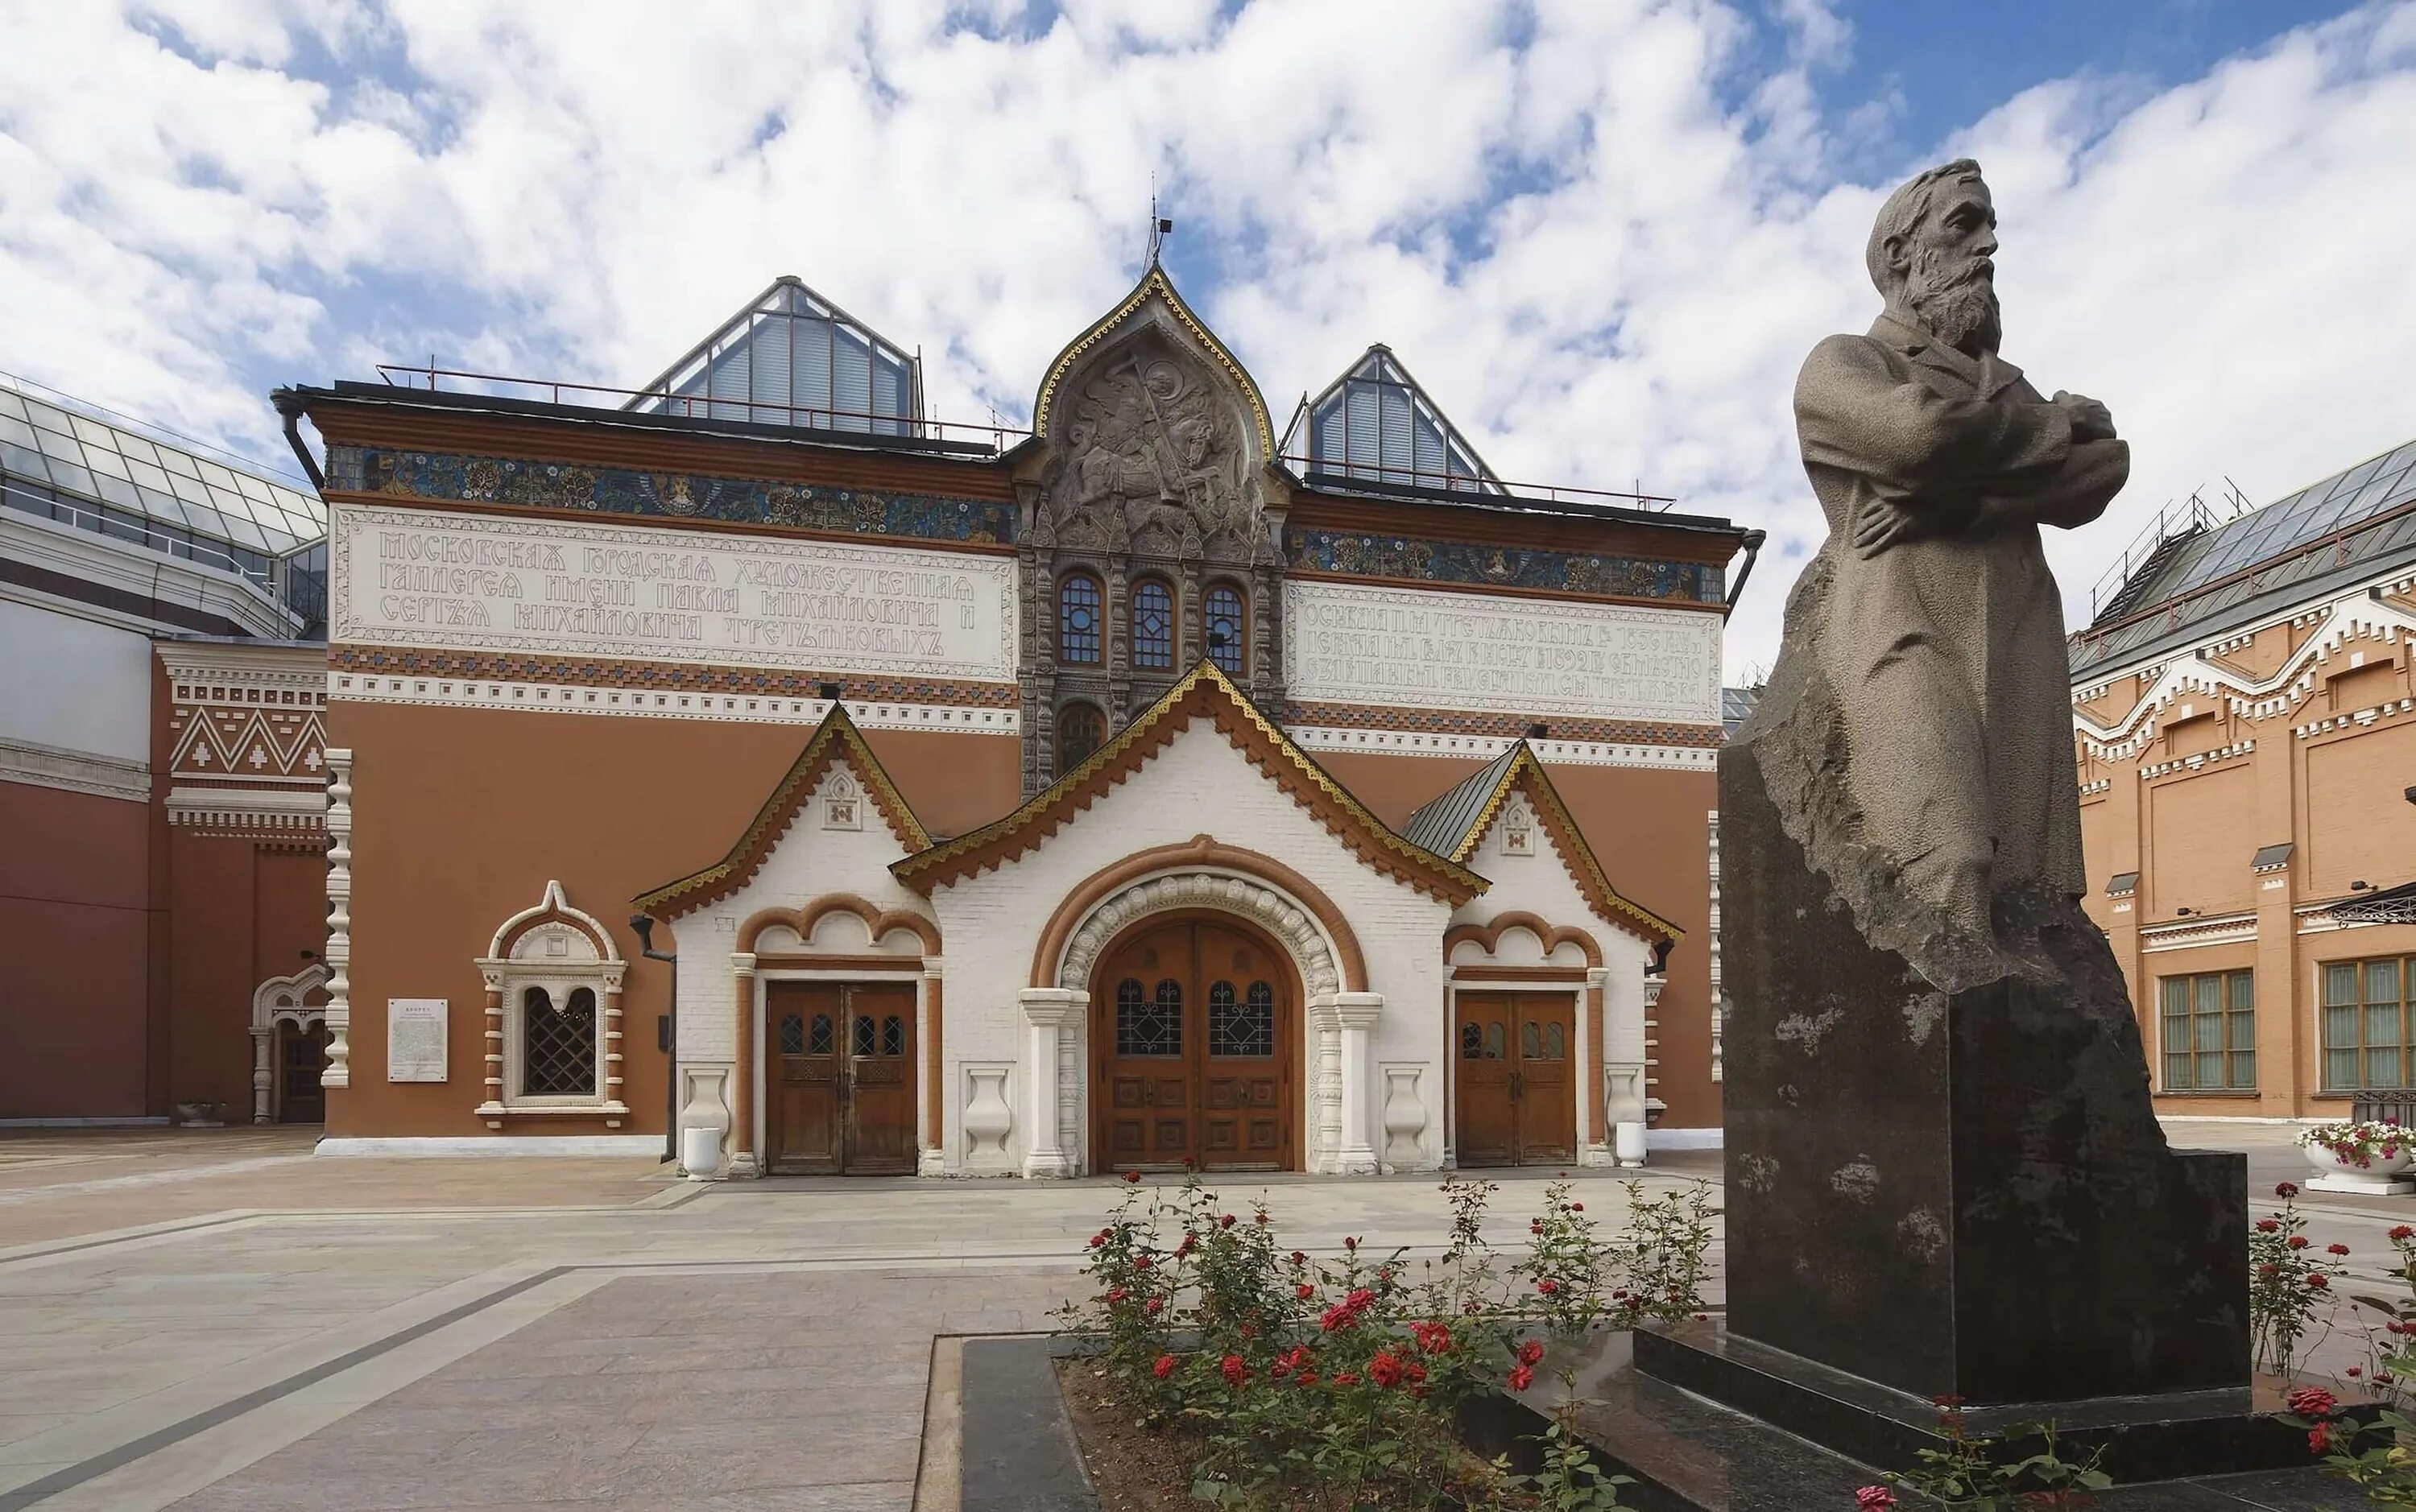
(1334, 1383)
(2289, 1281)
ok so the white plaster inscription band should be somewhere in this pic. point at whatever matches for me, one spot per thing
(474, 582)
(415, 1038)
(1345, 643)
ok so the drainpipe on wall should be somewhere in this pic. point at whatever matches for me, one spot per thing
(289, 405)
(666, 1032)
(1753, 540)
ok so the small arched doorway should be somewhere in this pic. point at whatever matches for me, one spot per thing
(1195, 1036)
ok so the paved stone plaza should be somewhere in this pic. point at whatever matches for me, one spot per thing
(224, 1320)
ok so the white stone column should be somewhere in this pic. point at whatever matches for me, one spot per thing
(338, 954)
(1357, 1012)
(262, 1077)
(1325, 1084)
(932, 1122)
(1048, 1015)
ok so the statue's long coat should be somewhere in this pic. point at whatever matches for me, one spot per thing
(1946, 653)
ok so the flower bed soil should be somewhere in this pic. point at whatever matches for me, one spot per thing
(1133, 1468)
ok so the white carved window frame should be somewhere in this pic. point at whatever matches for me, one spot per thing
(558, 949)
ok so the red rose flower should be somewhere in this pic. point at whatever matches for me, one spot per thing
(1141, 1262)
(2354, 1372)
(2317, 1283)
(1347, 1378)
(1349, 1243)
(2336, 1249)
(1099, 1238)
(1132, 1175)
(2269, 1271)
(2268, 1225)
(1236, 1370)
(2287, 1191)
(1576, 1207)
(2401, 1232)
(1385, 1368)
(1299, 1259)
(1164, 1368)
(1522, 1377)
(1548, 1286)
(2319, 1439)
(2298, 1241)
(1224, 1221)
(1303, 1291)
(2312, 1401)
(1117, 1293)
(1152, 1306)
(1874, 1499)
(1531, 1353)
(1360, 1299)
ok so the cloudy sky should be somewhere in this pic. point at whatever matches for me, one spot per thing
(1602, 232)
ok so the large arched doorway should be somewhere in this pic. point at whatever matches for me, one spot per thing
(1195, 1040)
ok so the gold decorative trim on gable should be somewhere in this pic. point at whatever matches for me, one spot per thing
(1053, 806)
(1154, 281)
(837, 736)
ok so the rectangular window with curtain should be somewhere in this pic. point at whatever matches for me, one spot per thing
(2365, 1025)
(2209, 1032)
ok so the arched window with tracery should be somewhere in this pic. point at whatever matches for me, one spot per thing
(1077, 620)
(1153, 625)
(1227, 641)
(1080, 730)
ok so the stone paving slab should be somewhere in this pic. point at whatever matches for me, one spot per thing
(685, 1414)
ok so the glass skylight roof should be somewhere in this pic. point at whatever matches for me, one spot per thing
(44, 443)
(1376, 422)
(793, 358)
(2352, 505)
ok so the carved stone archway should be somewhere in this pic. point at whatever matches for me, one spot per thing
(1340, 1019)
(281, 1000)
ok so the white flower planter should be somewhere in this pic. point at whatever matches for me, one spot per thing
(2328, 1163)
(2382, 1176)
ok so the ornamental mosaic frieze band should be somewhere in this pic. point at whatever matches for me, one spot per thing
(495, 480)
(1412, 560)
(669, 677)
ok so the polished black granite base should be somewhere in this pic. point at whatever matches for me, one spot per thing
(2153, 1438)
(1690, 1454)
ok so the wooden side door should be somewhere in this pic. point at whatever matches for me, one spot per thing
(804, 1022)
(879, 1092)
(1485, 1119)
(1544, 1085)
(1246, 1052)
(1150, 1047)
(301, 1061)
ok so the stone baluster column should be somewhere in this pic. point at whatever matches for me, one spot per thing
(338, 955)
(742, 1097)
(1048, 1014)
(1326, 1101)
(263, 1041)
(1356, 1013)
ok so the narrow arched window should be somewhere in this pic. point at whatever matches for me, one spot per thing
(1080, 729)
(1227, 641)
(1077, 620)
(1153, 625)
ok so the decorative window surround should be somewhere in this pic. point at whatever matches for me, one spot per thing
(560, 949)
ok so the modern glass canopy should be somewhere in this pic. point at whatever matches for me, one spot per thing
(1374, 421)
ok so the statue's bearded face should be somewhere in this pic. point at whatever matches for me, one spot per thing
(1950, 283)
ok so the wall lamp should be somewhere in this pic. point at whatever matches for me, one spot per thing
(2183, 912)
(2360, 885)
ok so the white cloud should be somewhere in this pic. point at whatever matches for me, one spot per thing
(1603, 233)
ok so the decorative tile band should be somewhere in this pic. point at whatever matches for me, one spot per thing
(1486, 747)
(446, 477)
(663, 677)
(1502, 728)
(1412, 560)
(643, 703)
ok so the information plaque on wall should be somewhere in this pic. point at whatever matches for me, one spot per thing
(415, 1038)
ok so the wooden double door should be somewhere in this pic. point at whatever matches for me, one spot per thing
(1195, 1036)
(841, 1078)
(1518, 1080)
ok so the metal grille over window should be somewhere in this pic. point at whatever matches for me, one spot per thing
(792, 1033)
(1225, 637)
(863, 1035)
(1153, 619)
(558, 1045)
(1077, 620)
(793, 358)
(1147, 1026)
(1471, 1043)
(1247, 1027)
(1556, 1042)
(2365, 1009)
(1080, 728)
(820, 1041)
(893, 1036)
(1496, 1044)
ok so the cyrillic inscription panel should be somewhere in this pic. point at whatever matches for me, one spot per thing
(476, 582)
(1405, 647)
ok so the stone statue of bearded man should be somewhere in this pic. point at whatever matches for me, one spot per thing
(1923, 682)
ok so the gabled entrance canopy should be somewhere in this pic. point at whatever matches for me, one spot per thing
(1205, 693)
